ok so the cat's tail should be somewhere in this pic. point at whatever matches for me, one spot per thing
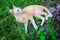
(49, 13)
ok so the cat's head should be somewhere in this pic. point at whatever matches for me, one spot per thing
(15, 10)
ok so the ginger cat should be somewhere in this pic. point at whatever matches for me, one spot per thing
(27, 13)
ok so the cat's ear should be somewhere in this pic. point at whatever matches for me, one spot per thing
(14, 6)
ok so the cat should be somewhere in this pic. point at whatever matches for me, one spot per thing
(27, 13)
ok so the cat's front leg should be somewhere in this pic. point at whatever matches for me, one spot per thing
(33, 22)
(26, 25)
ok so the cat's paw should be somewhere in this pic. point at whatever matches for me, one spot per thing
(46, 18)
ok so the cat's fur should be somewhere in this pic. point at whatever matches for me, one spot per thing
(27, 13)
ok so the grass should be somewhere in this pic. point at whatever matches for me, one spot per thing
(12, 30)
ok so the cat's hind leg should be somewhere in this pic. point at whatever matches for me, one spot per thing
(45, 14)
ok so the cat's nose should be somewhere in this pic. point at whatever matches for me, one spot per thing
(12, 11)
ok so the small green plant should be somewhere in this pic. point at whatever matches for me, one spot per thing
(42, 34)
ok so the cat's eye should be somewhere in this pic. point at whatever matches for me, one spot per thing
(17, 10)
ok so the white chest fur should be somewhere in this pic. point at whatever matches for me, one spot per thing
(18, 19)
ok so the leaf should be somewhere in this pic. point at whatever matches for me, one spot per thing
(42, 37)
(53, 37)
(49, 20)
(37, 18)
(3, 38)
(38, 32)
